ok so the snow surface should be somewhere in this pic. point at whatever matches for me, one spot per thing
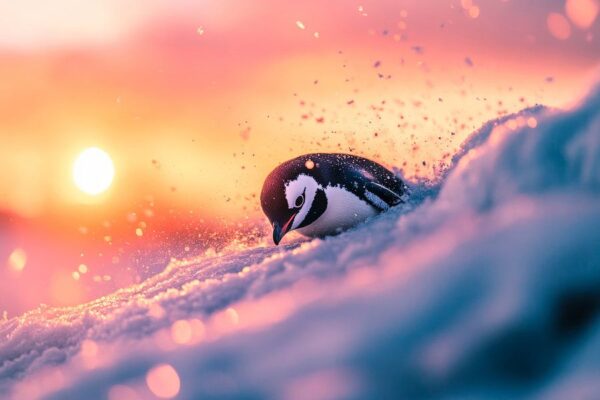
(487, 284)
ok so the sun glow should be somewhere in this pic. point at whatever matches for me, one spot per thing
(93, 171)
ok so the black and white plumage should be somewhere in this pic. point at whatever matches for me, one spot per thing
(322, 194)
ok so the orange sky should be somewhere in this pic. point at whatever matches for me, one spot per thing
(145, 85)
(196, 101)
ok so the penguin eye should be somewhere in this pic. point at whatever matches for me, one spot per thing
(299, 201)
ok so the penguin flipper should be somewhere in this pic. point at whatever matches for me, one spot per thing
(381, 197)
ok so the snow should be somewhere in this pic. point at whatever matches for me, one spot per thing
(486, 284)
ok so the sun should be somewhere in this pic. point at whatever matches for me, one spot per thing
(93, 171)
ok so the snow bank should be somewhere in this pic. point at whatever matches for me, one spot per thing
(486, 285)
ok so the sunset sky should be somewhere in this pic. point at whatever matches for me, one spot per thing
(196, 101)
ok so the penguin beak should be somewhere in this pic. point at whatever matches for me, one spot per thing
(279, 231)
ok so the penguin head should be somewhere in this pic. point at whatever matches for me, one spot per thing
(292, 198)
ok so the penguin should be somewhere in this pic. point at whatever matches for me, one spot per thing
(322, 194)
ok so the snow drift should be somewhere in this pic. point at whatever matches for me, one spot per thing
(486, 285)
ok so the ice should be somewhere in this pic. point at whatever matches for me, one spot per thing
(485, 284)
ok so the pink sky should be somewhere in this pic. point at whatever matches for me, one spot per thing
(196, 101)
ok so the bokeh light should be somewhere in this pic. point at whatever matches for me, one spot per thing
(558, 26)
(583, 13)
(181, 332)
(122, 392)
(163, 381)
(17, 259)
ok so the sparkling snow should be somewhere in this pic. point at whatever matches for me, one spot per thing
(487, 284)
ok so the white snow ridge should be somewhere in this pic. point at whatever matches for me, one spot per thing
(486, 286)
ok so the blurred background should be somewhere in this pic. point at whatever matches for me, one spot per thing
(133, 132)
